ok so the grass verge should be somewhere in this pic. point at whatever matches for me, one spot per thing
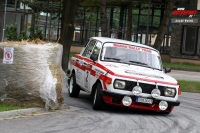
(72, 53)
(6, 107)
(189, 86)
(182, 66)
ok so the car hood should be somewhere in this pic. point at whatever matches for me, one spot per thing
(138, 72)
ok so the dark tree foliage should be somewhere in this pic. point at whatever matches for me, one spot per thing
(129, 21)
(67, 28)
(50, 6)
(164, 24)
(103, 23)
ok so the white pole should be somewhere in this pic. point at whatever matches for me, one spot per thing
(198, 5)
(4, 23)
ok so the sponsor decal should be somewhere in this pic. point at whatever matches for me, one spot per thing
(98, 72)
(142, 74)
(182, 11)
(110, 65)
(187, 16)
(132, 47)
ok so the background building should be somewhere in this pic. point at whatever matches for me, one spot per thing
(181, 42)
(185, 41)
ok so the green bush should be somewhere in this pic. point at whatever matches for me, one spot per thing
(11, 33)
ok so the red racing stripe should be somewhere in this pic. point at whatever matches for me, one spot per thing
(111, 72)
(133, 77)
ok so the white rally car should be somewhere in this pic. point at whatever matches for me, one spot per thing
(123, 73)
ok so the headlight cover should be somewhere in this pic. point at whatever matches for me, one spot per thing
(119, 84)
(155, 93)
(170, 92)
(137, 90)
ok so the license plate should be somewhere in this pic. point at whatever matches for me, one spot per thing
(144, 100)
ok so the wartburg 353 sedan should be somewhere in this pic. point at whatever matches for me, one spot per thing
(123, 73)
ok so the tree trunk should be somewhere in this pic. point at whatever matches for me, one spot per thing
(32, 25)
(23, 19)
(129, 22)
(164, 24)
(103, 23)
(67, 28)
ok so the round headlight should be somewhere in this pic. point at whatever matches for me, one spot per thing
(126, 101)
(119, 84)
(155, 93)
(169, 92)
(163, 105)
(137, 90)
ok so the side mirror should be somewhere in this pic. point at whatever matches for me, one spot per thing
(167, 70)
(94, 57)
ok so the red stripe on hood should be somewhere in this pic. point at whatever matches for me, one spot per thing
(133, 77)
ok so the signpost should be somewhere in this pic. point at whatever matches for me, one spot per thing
(8, 55)
(4, 23)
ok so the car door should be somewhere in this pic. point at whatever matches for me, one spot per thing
(80, 60)
(93, 59)
(87, 64)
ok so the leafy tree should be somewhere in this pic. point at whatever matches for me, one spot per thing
(129, 22)
(103, 22)
(67, 28)
(164, 24)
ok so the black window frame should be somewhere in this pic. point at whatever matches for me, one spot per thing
(86, 51)
(197, 40)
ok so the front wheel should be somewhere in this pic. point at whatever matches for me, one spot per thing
(73, 89)
(98, 99)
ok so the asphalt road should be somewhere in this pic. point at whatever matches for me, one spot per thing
(183, 119)
(185, 75)
(80, 118)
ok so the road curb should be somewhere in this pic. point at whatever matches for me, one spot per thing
(19, 112)
(13, 113)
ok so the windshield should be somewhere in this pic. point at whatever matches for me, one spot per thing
(131, 55)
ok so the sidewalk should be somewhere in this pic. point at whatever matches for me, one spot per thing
(27, 112)
(20, 112)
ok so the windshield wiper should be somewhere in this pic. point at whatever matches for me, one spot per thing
(143, 64)
(112, 58)
(137, 62)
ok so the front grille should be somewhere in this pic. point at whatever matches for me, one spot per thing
(146, 88)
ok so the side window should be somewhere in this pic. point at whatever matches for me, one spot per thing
(97, 49)
(89, 48)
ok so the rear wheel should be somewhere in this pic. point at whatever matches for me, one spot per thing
(73, 89)
(97, 98)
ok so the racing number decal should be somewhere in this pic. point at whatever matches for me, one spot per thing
(87, 79)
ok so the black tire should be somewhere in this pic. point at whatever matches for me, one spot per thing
(97, 98)
(73, 89)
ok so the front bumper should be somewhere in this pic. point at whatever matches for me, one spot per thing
(116, 99)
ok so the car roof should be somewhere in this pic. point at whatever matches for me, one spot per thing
(114, 40)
